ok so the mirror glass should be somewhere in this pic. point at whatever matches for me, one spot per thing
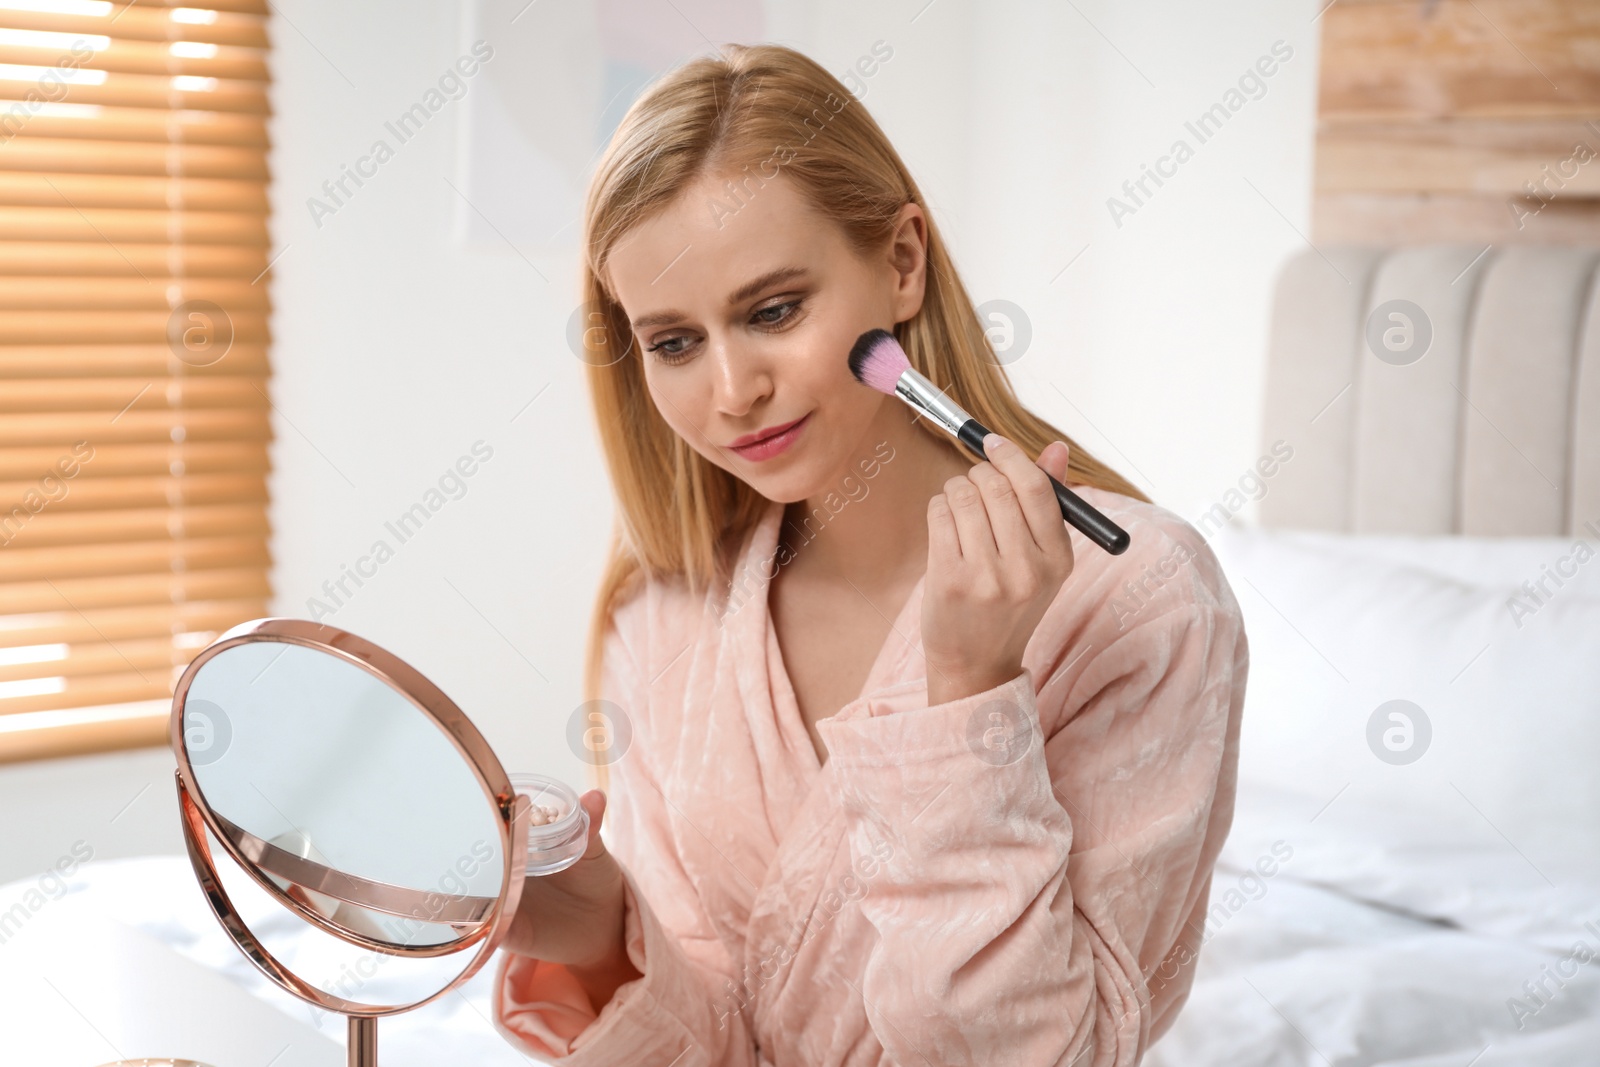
(344, 793)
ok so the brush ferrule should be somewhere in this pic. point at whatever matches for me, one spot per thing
(926, 397)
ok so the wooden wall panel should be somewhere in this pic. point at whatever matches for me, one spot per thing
(1459, 120)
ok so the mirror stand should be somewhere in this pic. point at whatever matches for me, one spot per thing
(363, 1043)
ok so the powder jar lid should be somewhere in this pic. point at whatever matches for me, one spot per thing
(556, 842)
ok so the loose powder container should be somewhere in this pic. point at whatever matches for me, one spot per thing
(558, 827)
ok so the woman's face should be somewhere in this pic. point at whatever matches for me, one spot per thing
(743, 320)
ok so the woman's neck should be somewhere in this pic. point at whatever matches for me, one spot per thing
(870, 526)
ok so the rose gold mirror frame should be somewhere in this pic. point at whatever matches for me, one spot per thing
(197, 817)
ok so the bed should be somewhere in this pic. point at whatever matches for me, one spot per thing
(1413, 874)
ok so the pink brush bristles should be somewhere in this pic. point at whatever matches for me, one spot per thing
(876, 359)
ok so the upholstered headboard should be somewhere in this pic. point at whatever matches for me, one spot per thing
(1436, 390)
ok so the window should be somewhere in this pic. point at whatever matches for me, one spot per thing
(133, 358)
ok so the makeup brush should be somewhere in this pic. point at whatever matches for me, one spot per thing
(876, 359)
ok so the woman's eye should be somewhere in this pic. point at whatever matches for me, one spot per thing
(668, 355)
(786, 307)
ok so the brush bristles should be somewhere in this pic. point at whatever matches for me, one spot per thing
(876, 359)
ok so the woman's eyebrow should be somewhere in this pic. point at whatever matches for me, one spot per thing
(772, 277)
(743, 293)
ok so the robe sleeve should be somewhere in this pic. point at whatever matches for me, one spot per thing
(683, 1012)
(1050, 849)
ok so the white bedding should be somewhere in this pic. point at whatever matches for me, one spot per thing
(1440, 908)
(1299, 970)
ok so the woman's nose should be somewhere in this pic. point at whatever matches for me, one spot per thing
(742, 379)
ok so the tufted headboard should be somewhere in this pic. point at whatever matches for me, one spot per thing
(1435, 390)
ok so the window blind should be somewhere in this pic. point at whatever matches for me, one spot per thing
(134, 257)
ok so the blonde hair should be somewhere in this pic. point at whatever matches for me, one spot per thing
(741, 112)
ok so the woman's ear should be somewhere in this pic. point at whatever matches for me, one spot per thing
(908, 258)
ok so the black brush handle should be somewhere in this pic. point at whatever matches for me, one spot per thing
(1084, 516)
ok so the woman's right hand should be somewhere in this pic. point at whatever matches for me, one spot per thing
(574, 917)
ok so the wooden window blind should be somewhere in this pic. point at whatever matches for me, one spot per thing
(133, 358)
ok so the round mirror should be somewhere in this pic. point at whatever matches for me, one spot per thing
(356, 794)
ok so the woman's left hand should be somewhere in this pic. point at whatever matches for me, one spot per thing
(998, 551)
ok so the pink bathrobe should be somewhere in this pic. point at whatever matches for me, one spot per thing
(1018, 878)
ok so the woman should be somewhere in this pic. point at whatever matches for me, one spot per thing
(915, 774)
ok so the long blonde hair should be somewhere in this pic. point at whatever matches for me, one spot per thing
(739, 113)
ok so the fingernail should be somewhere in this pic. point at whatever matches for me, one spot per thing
(992, 441)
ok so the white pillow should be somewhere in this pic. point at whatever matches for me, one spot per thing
(1509, 726)
(1489, 562)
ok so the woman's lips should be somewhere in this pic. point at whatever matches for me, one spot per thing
(774, 444)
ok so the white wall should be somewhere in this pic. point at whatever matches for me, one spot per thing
(105, 806)
(397, 347)
(1150, 347)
